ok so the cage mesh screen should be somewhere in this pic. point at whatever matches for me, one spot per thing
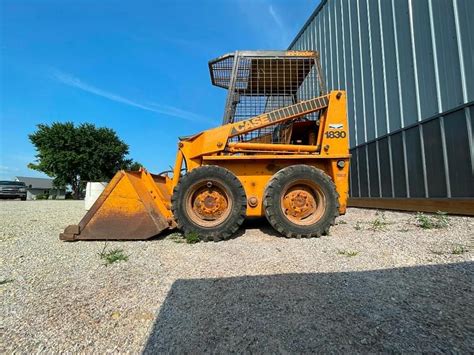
(257, 85)
(222, 71)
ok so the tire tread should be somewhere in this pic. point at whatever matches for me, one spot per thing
(232, 224)
(271, 206)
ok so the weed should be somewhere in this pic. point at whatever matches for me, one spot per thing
(6, 281)
(423, 221)
(192, 238)
(459, 249)
(177, 237)
(341, 222)
(112, 256)
(442, 220)
(358, 226)
(379, 223)
(348, 253)
(437, 221)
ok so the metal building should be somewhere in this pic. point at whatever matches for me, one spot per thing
(408, 68)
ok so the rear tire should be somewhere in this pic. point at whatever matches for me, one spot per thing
(301, 201)
(209, 201)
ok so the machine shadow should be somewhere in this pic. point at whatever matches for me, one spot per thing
(413, 309)
(260, 223)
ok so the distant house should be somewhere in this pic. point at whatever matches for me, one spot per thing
(41, 188)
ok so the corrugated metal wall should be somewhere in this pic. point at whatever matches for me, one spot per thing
(408, 68)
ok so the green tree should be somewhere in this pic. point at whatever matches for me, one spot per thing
(73, 155)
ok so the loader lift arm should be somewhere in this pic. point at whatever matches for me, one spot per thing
(216, 141)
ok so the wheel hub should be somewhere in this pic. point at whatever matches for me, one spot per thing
(209, 203)
(299, 203)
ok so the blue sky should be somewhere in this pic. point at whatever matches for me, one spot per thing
(139, 67)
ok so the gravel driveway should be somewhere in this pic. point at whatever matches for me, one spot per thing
(378, 283)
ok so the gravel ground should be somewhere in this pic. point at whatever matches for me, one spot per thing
(378, 283)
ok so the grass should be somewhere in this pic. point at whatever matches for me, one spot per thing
(438, 221)
(177, 237)
(6, 281)
(459, 249)
(379, 223)
(192, 238)
(348, 253)
(358, 226)
(341, 222)
(112, 256)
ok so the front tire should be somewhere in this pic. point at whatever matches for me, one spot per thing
(209, 201)
(301, 202)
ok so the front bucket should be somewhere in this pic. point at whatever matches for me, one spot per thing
(134, 205)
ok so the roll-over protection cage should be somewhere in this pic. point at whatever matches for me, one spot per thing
(263, 81)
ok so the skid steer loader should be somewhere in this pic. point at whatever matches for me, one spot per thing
(280, 152)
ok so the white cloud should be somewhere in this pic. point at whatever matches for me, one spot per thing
(266, 22)
(276, 17)
(282, 28)
(7, 168)
(167, 110)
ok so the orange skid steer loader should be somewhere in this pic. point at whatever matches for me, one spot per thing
(280, 152)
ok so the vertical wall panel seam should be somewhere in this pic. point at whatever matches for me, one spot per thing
(460, 51)
(469, 137)
(320, 34)
(343, 31)
(372, 70)
(326, 48)
(384, 70)
(328, 44)
(312, 42)
(405, 159)
(351, 172)
(397, 57)
(362, 73)
(316, 44)
(337, 47)
(325, 51)
(445, 157)
(331, 41)
(392, 183)
(378, 168)
(306, 44)
(368, 169)
(320, 24)
(352, 70)
(311, 92)
(310, 46)
(435, 57)
(423, 159)
(358, 172)
(415, 67)
(313, 47)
